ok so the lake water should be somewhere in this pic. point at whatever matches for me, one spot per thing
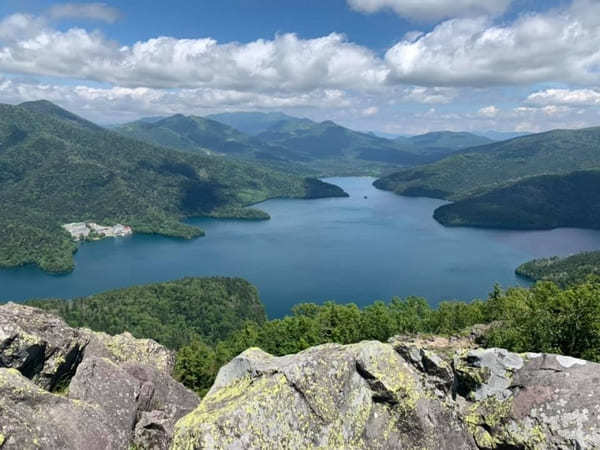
(347, 249)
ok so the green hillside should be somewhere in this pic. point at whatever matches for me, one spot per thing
(252, 123)
(547, 201)
(442, 143)
(495, 165)
(290, 144)
(192, 133)
(173, 313)
(329, 141)
(56, 168)
(562, 271)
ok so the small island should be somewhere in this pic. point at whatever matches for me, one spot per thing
(90, 231)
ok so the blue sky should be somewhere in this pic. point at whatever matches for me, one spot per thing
(396, 66)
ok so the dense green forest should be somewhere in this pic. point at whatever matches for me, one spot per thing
(562, 271)
(495, 165)
(173, 313)
(544, 318)
(57, 168)
(543, 202)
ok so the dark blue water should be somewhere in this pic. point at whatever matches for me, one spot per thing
(352, 249)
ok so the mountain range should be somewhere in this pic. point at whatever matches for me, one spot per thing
(297, 145)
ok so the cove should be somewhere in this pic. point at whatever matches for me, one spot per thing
(353, 249)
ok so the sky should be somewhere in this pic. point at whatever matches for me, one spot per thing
(393, 66)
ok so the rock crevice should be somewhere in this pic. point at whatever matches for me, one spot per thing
(67, 388)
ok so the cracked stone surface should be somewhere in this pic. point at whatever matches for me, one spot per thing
(407, 394)
(67, 388)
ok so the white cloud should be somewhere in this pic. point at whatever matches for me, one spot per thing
(575, 97)
(489, 111)
(94, 11)
(370, 111)
(559, 45)
(433, 9)
(325, 77)
(549, 110)
(286, 63)
(430, 95)
(122, 103)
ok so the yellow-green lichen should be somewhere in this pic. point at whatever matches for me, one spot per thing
(489, 422)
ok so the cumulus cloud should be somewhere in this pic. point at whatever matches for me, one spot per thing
(433, 9)
(575, 97)
(286, 63)
(328, 74)
(370, 111)
(431, 95)
(93, 11)
(489, 111)
(558, 45)
(122, 103)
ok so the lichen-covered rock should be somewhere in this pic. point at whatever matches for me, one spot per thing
(485, 373)
(32, 418)
(66, 388)
(332, 396)
(374, 396)
(40, 346)
(124, 347)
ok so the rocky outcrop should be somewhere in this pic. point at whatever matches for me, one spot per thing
(66, 388)
(406, 394)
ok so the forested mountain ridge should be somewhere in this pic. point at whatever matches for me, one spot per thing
(562, 271)
(192, 133)
(56, 168)
(298, 145)
(173, 313)
(282, 142)
(542, 202)
(252, 123)
(494, 165)
(442, 143)
(328, 140)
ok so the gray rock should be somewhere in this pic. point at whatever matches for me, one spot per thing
(101, 382)
(375, 396)
(153, 431)
(486, 372)
(331, 396)
(40, 346)
(32, 418)
(66, 388)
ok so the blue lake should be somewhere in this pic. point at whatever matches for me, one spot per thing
(350, 249)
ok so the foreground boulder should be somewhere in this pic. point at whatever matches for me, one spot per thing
(406, 394)
(66, 388)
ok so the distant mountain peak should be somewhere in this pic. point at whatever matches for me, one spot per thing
(52, 109)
